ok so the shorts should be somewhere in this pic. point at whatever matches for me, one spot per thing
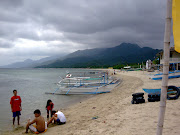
(33, 128)
(59, 122)
(17, 113)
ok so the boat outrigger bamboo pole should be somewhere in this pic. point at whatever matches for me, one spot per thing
(164, 86)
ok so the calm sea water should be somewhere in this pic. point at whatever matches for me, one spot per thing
(31, 85)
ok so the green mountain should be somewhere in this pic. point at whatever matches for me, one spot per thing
(125, 53)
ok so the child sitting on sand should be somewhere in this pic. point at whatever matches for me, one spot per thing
(41, 125)
(49, 107)
(58, 118)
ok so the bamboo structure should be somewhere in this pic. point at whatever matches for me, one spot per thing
(164, 86)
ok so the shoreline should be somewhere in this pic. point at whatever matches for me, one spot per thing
(17, 128)
(116, 114)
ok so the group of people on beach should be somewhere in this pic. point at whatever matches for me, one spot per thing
(41, 125)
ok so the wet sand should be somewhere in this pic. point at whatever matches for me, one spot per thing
(116, 114)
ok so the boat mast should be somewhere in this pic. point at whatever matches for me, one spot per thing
(164, 86)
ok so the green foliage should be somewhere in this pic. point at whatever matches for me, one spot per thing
(156, 60)
(133, 65)
(118, 66)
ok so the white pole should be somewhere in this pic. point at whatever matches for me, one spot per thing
(164, 86)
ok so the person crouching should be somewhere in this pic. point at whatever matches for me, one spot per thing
(58, 118)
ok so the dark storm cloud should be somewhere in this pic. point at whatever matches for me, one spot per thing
(11, 11)
(6, 4)
(86, 21)
(81, 24)
(143, 19)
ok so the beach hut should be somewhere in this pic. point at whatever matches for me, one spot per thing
(174, 59)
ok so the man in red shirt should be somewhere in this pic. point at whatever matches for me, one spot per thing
(16, 106)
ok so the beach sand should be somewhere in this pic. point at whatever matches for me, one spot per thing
(116, 114)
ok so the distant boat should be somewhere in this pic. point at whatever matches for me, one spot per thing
(127, 67)
(174, 74)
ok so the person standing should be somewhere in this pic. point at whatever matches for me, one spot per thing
(16, 106)
(49, 107)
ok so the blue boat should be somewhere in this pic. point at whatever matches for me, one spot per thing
(154, 91)
(174, 74)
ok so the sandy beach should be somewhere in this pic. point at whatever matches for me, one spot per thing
(116, 114)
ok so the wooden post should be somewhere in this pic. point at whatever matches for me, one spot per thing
(164, 86)
(177, 66)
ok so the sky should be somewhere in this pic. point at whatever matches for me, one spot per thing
(34, 29)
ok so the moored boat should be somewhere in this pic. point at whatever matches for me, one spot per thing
(174, 74)
(86, 83)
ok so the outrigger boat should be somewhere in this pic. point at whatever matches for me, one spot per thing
(173, 74)
(87, 83)
(154, 91)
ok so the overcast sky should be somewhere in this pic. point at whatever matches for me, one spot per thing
(39, 28)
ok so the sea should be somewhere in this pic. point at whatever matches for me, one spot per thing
(31, 86)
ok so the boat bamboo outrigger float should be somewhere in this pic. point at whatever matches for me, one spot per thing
(86, 83)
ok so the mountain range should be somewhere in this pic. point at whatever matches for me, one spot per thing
(29, 63)
(125, 53)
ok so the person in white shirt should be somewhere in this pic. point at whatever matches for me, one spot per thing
(58, 118)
